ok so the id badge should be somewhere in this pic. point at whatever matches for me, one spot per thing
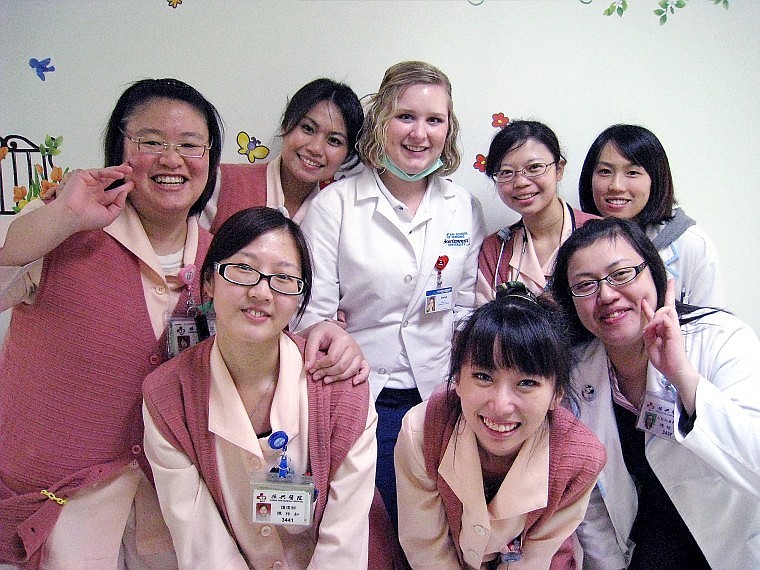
(437, 300)
(282, 500)
(656, 416)
(184, 332)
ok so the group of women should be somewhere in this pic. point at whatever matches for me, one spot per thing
(542, 397)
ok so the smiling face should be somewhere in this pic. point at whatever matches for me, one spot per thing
(316, 148)
(504, 407)
(256, 315)
(166, 184)
(529, 196)
(621, 189)
(613, 314)
(416, 134)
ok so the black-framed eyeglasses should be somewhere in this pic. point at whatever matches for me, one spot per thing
(243, 274)
(533, 170)
(616, 279)
(155, 146)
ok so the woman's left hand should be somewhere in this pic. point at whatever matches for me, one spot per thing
(665, 347)
(344, 359)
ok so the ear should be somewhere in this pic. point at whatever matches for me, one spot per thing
(556, 399)
(208, 287)
(561, 168)
(456, 387)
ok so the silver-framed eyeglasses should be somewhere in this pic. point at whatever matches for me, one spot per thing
(533, 170)
(243, 274)
(616, 279)
(152, 145)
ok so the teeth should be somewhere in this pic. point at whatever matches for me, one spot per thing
(255, 313)
(617, 201)
(613, 315)
(526, 196)
(169, 179)
(415, 148)
(501, 428)
(310, 162)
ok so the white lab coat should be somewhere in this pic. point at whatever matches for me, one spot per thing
(712, 474)
(692, 261)
(365, 266)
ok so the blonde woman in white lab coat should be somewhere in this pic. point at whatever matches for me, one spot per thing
(387, 241)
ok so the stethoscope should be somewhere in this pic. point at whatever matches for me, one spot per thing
(506, 233)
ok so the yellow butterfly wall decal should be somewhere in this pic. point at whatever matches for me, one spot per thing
(251, 147)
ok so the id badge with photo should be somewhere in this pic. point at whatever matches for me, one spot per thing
(656, 416)
(438, 300)
(184, 332)
(280, 500)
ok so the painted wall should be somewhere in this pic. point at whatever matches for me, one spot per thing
(693, 81)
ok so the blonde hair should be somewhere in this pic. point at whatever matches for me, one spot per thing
(383, 105)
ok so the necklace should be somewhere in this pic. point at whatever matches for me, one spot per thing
(263, 397)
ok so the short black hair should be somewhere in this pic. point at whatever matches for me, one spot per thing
(513, 135)
(137, 95)
(242, 228)
(643, 148)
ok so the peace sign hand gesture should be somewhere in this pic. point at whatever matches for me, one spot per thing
(665, 346)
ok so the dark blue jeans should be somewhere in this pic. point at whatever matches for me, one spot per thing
(391, 405)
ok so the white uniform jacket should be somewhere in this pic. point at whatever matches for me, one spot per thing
(692, 261)
(365, 266)
(712, 474)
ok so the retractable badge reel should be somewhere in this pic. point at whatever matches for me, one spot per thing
(282, 496)
(513, 551)
(196, 325)
(439, 299)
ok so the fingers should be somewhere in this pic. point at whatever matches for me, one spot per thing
(647, 310)
(119, 198)
(670, 293)
(362, 375)
(330, 370)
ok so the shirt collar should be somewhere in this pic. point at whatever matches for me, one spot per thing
(525, 487)
(227, 417)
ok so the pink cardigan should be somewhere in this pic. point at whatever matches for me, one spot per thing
(84, 346)
(576, 458)
(491, 247)
(242, 186)
(177, 395)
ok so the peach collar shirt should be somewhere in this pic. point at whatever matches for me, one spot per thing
(198, 530)
(486, 529)
(19, 284)
(531, 272)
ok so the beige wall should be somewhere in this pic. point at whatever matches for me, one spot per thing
(693, 81)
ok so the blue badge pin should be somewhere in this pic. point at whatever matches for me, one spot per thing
(278, 440)
(589, 392)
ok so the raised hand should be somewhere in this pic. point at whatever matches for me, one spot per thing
(81, 203)
(84, 196)
(665, 346)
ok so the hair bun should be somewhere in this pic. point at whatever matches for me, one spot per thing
(516, 289)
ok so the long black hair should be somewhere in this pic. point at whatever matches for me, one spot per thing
(342, 96)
